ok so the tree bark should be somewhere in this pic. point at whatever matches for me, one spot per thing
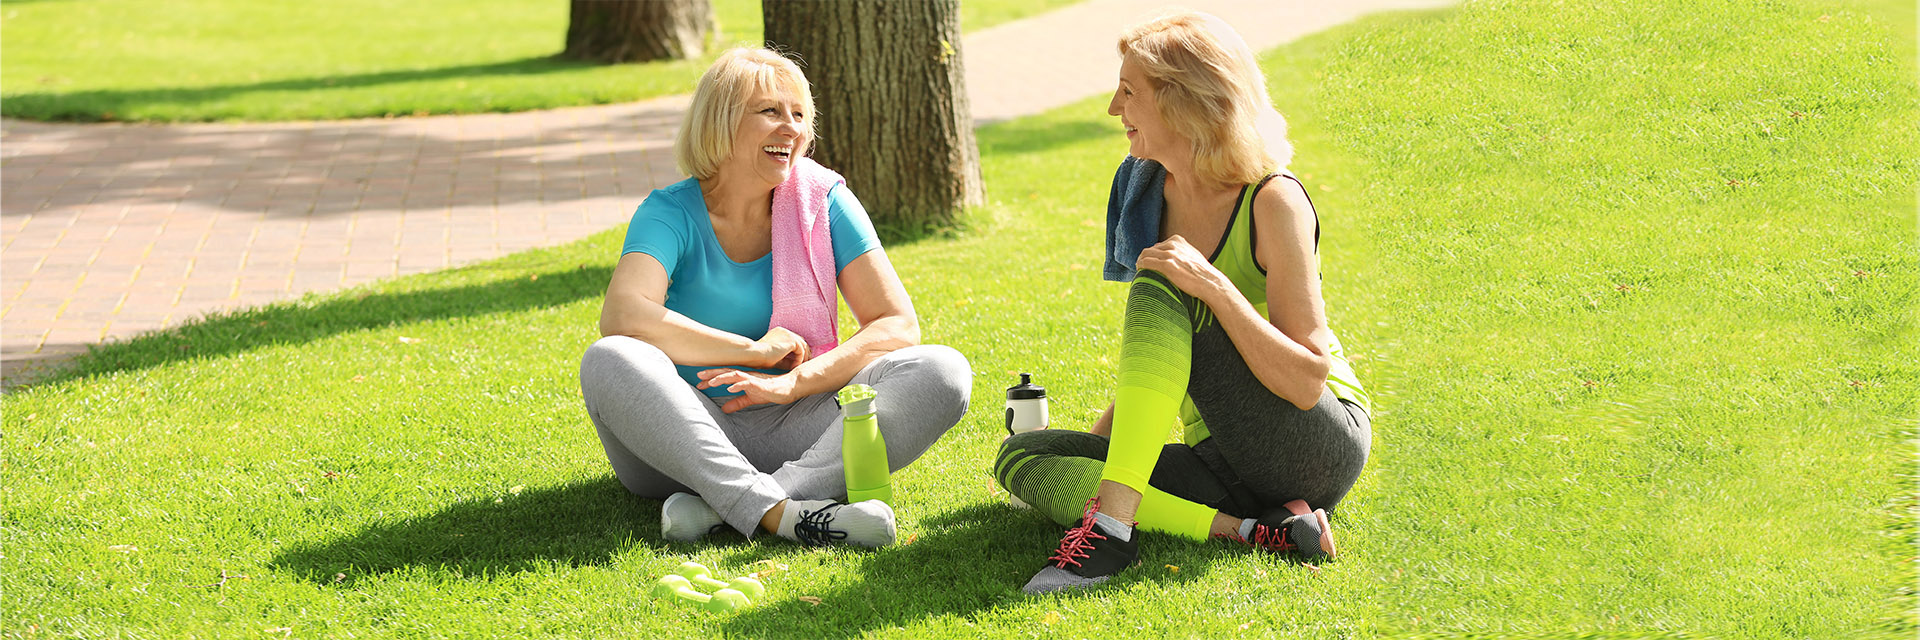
(891, 101)
(637, 30)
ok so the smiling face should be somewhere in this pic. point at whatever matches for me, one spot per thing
(774, 130)
(1139, 111)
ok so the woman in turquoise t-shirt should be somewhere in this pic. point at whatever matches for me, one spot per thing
(694, 398)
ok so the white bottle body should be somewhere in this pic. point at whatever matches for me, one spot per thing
(1027, 414)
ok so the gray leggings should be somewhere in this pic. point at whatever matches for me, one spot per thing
(663, 436)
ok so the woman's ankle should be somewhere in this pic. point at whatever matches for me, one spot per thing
(770, 521)
(1119, 501)
(1224, 526)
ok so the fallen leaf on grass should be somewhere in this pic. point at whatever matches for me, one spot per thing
(407, 340)
(359, 378)
(772, 568)
(516, 489)
(1245, 625)
(1173, 568)
(810, 600)
(123, 548)
(339, 576)
(911, 538)
(533, 277)
(1050, 618)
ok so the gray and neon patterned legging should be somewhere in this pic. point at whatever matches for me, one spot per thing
(1262, 453)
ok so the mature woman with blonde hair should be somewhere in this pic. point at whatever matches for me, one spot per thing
(713, 386)
(1225, 330)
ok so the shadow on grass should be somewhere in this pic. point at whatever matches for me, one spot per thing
(1035, 135)
(971, 559)
(87, 106)
(581, 523)
(302, 322)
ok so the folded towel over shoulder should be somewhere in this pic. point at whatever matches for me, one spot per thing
(804, 293)
(1134, 208)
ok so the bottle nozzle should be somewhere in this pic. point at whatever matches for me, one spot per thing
(855, 400)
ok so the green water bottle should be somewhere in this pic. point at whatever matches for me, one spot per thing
(862, 451)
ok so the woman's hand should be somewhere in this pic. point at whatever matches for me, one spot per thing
(781, 349)
(755, 387)
(1185, 267)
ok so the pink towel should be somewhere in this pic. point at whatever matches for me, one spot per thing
(803, 273)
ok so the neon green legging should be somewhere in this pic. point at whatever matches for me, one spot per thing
(1155, 357)
(1057, 470)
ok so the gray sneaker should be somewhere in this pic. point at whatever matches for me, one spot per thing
(686, 518)
(1089, 553)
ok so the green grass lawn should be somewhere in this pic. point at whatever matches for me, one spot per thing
(1634, 285)
(200, 60)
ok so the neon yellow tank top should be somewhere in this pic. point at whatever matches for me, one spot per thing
(1235, 259)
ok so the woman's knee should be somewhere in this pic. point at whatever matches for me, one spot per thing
(617, 351)
(938, 377)
(1053, 442)
(614, 361)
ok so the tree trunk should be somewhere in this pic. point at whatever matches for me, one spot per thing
(891, 97)
(637, 30)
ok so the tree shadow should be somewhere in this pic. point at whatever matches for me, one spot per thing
(972, 559)
(300, 322)
(86, 106)
(581, 523)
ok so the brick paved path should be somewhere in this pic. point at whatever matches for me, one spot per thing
(110, 230)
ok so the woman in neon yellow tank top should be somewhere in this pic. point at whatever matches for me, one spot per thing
(1225, 331)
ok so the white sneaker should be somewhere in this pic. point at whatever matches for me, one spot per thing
(868, 523)
(686, 518)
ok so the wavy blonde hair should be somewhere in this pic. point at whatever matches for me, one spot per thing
(706, 134)
(1210, 89)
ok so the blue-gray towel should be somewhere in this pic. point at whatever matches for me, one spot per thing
(1134, 208)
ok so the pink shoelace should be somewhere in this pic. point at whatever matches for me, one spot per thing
(1076, 543)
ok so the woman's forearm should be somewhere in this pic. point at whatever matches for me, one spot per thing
(684, 340)
(831, 370)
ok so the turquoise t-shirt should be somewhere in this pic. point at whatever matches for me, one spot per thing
(710, 288)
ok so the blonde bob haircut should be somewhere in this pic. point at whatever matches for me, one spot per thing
(1210, 89)
(706, 135)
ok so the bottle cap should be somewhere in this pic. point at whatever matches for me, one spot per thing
(855, 400)
(1026, 390)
